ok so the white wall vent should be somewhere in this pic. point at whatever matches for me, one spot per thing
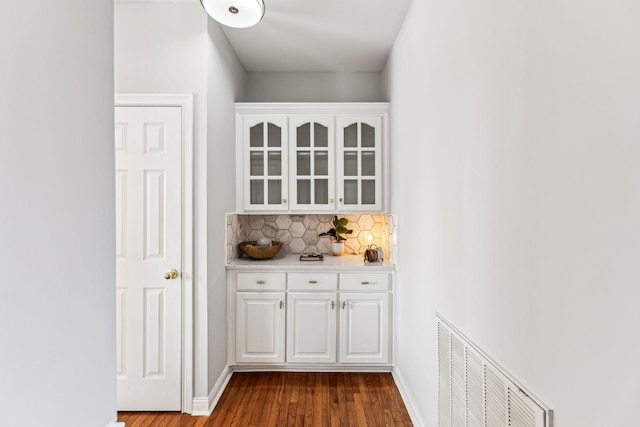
(473, 391)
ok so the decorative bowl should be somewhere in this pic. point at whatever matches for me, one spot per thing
(253, 251)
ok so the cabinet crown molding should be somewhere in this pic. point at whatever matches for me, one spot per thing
(313, 107)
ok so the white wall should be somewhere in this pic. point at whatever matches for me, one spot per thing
(161, 47)
(57, 306)
(519, 121)
(226, 82)
(172, 47)
(313, 87)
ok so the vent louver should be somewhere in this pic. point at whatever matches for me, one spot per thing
(473, 391)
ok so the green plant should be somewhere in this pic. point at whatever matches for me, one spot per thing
(339, 229)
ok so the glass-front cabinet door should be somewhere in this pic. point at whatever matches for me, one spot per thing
(359, 162)
(311, 163)
(265, 166)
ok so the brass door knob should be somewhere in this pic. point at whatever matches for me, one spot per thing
(171, 274)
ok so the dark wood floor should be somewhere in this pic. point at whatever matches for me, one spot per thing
(285, 399)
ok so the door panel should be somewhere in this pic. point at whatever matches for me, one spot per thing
(148, 147)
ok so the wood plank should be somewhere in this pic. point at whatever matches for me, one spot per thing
(373, 391)
(334, 399)
(343, 417)
(279, 399)
(292, 407)
(278, 387)
(232, 412)
(255, 405)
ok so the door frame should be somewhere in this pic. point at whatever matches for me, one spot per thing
(185, 102)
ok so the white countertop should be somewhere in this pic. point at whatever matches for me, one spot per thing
(292, 262)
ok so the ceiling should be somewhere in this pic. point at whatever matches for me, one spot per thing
(320, 35)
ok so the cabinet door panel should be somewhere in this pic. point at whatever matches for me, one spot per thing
(364, 328)
(359, 163)
(311, 328)
(312, 159)
(265, 165)
(260, 318)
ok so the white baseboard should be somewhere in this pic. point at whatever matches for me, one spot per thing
(200, 407)
(203, 406)
(115, 424)
(407, 398)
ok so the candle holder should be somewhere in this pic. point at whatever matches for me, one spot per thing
(373, 254)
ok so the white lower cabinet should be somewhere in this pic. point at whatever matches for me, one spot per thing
(260, 318)
(311, 319)
(311, 327)
(364, 328)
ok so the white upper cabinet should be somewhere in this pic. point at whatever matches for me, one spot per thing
(265, 162)
(312, 163)
(359, 155)
(301, 157)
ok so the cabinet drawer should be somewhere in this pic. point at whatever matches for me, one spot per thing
(365, 281)
(311, 281)
(261, 281)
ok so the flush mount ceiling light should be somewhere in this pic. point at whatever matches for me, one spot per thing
(235, 13)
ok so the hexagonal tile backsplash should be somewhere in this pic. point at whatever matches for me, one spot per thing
(300, 233)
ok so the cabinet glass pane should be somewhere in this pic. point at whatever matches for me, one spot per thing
(350, 192)
(274, 135)
(256, 161)
(304, 163)
(321, 135)
(321, 187)
(275, 191)
(368, 192)
(368, 135)
(275, 163)
(321, 163)
(368, 163)
(256, 135)
(350, 163)
(303, 137)
(257, 192)
(304, 192)
(351, 136)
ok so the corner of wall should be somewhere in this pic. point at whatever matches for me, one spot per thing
(407, 397)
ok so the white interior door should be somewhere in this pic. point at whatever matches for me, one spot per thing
(148, 144)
